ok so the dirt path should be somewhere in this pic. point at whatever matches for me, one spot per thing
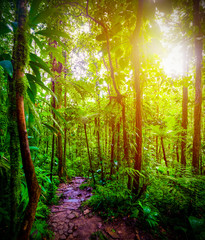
(69, 220)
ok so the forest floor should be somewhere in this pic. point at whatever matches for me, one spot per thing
(69, 220)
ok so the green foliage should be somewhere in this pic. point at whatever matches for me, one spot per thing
(40, 231)
(175, 202)
(111, 200)
(7, 66)
(83, 186)
(98, 235)
(149, 215)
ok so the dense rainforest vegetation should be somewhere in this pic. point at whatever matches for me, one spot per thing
(108, 90)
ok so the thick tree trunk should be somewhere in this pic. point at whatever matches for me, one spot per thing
(34, 189)
(15, 184)
(136, 62)
(198, 86)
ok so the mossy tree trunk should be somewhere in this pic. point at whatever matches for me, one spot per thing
(57, 68)
(20, 59)
(15, 185)
(14, 160)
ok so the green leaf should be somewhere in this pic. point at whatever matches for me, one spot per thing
(35, 70)
(42, 66)
(53, 33)
(33, 78)
(51, 128)
(33, 10)
(40, 62)
(34, 148)
(31, 95)
(7, 66)
(197, 224)
(4, 28)
(14, 26)
(42, 16)
(146, 210)
(116, 28)
(101, 37)
(38, 42)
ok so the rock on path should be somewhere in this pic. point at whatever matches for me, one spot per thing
(70, 221)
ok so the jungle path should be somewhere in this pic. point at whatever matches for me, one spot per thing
(69, 220)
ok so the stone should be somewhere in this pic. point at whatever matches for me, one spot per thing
(99, 225)
(68, 212)
(71, 216)
(70, 231)
(61, 232)
(63, 237)
(71, 200)
(75, 234)
(86, 211)
(71, 225)
(60, 227)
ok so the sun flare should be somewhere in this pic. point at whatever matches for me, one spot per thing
(174, 61)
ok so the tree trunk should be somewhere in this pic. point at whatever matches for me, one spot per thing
(164, 154)
(118, 145)
(112, 148)
(90, 161)
(136, 62)
(184, 125)
(125, 141)
(198, 86)
(15, 185)
(53, 138)
(34, 189)
(65, 128)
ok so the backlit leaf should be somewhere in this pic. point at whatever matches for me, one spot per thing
(7, 66)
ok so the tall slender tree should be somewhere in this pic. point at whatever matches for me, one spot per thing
(20, 61)
(138, 116)
(198, 38)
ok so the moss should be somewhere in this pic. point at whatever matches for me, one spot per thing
(21, 57)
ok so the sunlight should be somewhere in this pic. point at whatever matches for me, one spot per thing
(173, 63)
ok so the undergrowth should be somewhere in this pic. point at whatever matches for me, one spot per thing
(171, 204)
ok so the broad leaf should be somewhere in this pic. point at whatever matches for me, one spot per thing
(35, 70)
(33, 148)
(33, 78)
(38, 42)
(4, 28)
(42, 16)
(31, 95)
(51, 128)
(42, 66)
(40, 63)
(53, 33)
(34, 7)
(7, 66)
(101, 37)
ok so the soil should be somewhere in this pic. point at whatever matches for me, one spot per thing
(69, 220)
